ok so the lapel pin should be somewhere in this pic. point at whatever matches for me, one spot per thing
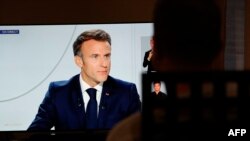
(107, 94)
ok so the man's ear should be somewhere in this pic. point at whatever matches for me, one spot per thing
(78, 61)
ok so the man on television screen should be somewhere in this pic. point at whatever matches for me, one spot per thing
(91, 99)
(157, 93)
(147, 62)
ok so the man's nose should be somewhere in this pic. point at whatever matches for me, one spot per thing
(104, 62)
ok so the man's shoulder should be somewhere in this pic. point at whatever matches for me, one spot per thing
(118, 82)
(163, 94)
(153, 93)
(64, 83)
(147, 52)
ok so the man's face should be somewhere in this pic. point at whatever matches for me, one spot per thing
(96, 61)
(157, 87)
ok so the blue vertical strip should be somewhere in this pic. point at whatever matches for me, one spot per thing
(235, 32)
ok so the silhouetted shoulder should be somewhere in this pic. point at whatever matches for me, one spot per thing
(114, 82)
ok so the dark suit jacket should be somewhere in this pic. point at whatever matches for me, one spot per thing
(146, 62)
(63, 105)
(160, 95)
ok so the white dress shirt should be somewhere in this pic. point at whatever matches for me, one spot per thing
(84, 87)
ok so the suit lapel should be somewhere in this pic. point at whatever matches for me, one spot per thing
(77, 100)
(78, 103)
(105, 102)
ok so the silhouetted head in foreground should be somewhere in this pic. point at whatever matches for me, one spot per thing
(187, 34)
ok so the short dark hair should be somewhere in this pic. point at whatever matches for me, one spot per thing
(96, 34)
(187, 31)
(157, 81)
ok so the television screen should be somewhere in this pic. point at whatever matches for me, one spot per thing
(31, 56)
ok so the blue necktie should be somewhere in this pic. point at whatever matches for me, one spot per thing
(91, 113)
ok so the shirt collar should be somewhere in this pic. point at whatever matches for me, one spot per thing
(85, 86)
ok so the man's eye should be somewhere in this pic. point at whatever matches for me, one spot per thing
(94, 56)
(107, 56)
